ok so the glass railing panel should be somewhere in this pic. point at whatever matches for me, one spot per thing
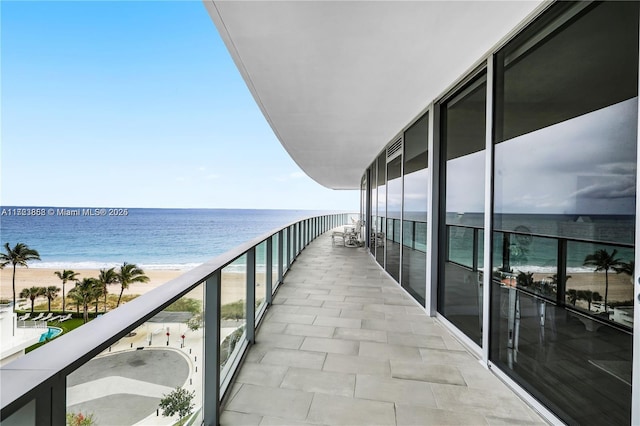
(292, 243)
(261, 277)
(285, 243)
(408, 233)
(460, 245)
(274, 261)
(480, 245)
(599, 281)
(529, 263)
(126, 383)
(233, 309)
(421, 236)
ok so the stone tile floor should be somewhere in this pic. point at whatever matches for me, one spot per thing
(343, 344)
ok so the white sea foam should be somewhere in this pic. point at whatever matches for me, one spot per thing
(551, 269)
(101, 265)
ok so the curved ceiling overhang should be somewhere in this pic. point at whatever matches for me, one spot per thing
(337, 80)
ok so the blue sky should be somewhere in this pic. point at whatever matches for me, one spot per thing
(136, 104)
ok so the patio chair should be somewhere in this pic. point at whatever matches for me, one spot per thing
(38, 318)
(335, 235)
(24, 317)
(66, 317)
(47, 317)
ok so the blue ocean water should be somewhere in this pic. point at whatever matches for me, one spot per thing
(150, 238)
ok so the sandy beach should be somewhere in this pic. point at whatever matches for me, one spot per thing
(233, 284)
(620, 286)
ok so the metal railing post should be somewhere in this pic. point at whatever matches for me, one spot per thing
(251, 295)
(211, 371)
(289, 248)
(269, 271)
(51, 402)
(475, 250)
(280, 256)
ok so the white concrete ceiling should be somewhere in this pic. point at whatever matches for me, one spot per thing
(336, 80)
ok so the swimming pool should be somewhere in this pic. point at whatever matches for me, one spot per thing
(50, 333)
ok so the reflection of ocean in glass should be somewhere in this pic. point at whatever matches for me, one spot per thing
(602, 228)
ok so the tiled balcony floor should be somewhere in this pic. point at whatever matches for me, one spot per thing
(344, 345)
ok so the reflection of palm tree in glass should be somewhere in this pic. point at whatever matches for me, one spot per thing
(604, 261)
(554, 285)
(626, 268)
(589, 296)
(524, 279)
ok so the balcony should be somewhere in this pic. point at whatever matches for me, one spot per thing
(343, 344)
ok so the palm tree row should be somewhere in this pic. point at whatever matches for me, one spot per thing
(85, 290)
(91, 289)
(32, 293)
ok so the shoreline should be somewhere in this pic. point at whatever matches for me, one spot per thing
(233, 284)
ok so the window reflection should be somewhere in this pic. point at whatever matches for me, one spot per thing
(414, 234)
(382, 209)
(463, 149)
(394, 207)
(564, 199)
(373, 226)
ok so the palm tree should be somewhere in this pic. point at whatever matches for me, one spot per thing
(107, 277)
(604, 261)
(21, 255)
(51, 293)
(31, 294)
(572, 295)
(129, 273)
(66, 276)
(84, 292)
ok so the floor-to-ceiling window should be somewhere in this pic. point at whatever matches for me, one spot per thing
(394, 208)
(363, 207)
(565, 134)
(461, 233)
(373, 202)
(414, 226)
(382, 208)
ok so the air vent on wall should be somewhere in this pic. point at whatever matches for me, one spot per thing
(394, 149)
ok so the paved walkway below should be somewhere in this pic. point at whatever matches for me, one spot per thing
(343, 344)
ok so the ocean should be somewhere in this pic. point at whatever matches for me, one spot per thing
(88, 238)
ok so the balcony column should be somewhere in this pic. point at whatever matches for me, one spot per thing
(51, 402)
(251, 296)
(211, 367)
(280, 256)
(268, 271)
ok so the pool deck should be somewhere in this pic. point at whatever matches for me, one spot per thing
(343, 344)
